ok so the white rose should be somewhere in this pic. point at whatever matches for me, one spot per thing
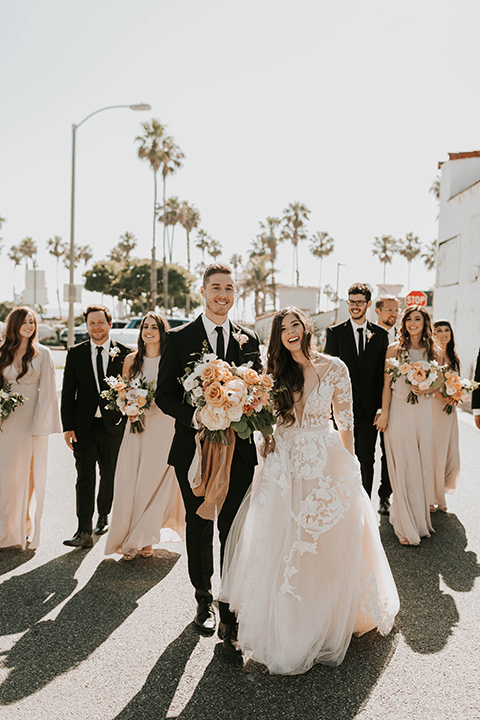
(236, 392)
(197, 392)
(235, 413)
(141, 392)
(189, 383)
(198, 370)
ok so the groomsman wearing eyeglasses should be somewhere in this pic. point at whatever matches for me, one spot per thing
(386, 307)
(362, 346)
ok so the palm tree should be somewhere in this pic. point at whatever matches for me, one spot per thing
(170, 215)
(124, 248)
(385, 247)
(171, 161)
(435, 188)
(236, 263)
(294, 229)
(56, 247)
(189, 218)
(202, 243)
(271, 238)
(16, 257)
(255, 280)
(409, 248)
(429, 255)
(331, 294)
(150, 148)
(214, 248)
(321, 245)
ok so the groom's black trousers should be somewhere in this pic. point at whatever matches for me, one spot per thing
(199, 532)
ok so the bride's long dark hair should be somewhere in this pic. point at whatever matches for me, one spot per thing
(280, 364)
(12, 339)
(163, 326)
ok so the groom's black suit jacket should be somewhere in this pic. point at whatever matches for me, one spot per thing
(79, 391)
(181, 346)
(366, 372)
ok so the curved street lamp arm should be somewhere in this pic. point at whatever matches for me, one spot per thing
(140, 106)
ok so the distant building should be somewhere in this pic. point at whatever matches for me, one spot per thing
(35, 292)
(457, 284)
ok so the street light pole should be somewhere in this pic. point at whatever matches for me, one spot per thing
(71, 253)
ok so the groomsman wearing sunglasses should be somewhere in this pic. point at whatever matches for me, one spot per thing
(362, 346)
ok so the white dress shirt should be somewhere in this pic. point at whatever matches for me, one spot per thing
(105, 350)
(356, 335)
(212, 333)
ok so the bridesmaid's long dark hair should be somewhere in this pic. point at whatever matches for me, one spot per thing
(452, 357)
(428, 341)
(12, 339)
(163, 326)
(286, 372)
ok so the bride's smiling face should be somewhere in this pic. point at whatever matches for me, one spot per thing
(292, 333)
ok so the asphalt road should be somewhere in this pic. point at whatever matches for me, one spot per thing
(94, 638)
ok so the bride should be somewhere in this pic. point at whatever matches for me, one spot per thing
(304, 566)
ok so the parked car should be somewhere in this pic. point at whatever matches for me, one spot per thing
(80, 332)
(129, 334)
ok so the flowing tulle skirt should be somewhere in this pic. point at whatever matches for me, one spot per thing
(304, 566)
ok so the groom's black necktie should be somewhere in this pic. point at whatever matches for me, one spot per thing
(100, 370)
(360, 342)
(220, 343)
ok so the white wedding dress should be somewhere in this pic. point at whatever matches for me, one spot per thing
(304, 567)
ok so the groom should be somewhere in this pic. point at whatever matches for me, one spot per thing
(181, 346)
(362, 346)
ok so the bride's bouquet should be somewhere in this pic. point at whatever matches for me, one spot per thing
(9, 401)
(421, 374)
(229, 397)
(231, 401)
(456, 388)
(131, 397)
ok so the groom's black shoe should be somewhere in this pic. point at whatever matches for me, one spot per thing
(384, 508)
(81, 539)
(205, 617)
(228, 634)
(102, 525)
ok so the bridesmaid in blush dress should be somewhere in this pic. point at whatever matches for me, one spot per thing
(409, 432)
(445, 425)
(146, 495)
(28, 367)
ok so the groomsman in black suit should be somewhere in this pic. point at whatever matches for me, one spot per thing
(476, 394)
(386, 307)
(182, 345)
(92, 432)
(362, 346)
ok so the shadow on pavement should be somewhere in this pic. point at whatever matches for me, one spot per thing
(51, 648)
(11, 558)
(26, 599)
(427, 614)
(155, 697)
(228, 690)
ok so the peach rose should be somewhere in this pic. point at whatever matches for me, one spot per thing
(215, 394)
(419, 375)
(251, 376)
(119, 386)
(141, 401)
(404, 368)
(236, 392)
(266, 381)
(209, 373)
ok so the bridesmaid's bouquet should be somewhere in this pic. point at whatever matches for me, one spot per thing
(419, 373)
(9, 401)
(456, 388)
(229, 397)
(132, 397)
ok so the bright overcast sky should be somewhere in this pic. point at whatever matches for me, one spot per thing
(345, 106)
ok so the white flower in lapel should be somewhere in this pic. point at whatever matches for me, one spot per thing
(240, 337)
(114, 351)
(369, 334)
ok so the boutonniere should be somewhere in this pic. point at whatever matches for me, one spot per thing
(369, 334)
(114, 351)
(240, 337)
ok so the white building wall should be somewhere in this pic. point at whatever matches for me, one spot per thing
(457, 284)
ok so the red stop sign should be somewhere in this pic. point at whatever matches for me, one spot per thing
(416, 297)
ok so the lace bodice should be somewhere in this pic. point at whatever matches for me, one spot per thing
(333, 388)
